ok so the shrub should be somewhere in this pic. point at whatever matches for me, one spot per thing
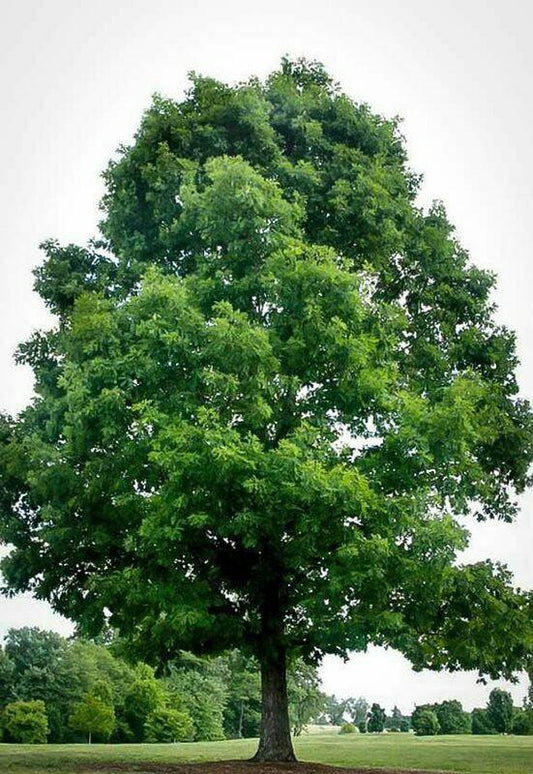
(25, 722)
(168, 725)
(425, 721)
(405, 726)
(347, 728)
(362, 727)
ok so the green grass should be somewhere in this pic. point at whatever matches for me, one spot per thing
(464, 754)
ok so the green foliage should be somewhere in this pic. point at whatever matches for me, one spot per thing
(363, 727)
(7, 678)
(500, 710)
(522, 724)
(203, 695)
(481, 722)
(144, 696)
(272, 390)
(335, 710)
(242, 712)
(397, 722)
(168, 725)
(25, 722)
(452, 718)
(347, 728)
(94, 716)
(424, 721)
(376, 719)
(306, 700)
(45, 666)
(357, 709)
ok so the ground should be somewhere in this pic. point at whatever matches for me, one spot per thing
(345, 754)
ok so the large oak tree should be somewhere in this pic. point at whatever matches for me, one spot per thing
(274, 390)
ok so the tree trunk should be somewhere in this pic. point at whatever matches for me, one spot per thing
(241, 718)
(275, 742)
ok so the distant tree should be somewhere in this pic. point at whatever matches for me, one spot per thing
(34, 648)
(94, 717)
(335, 710)
(522, 724)
(144, 696)
(357, 709)
(481, 722)
(7, 678)
(165, 724)
(452, 718)
(202, 692)
(424, 721)
(25, 722)
(376, 718)
(242, 708)
(397, 721)
(500, 710)
(306, 700)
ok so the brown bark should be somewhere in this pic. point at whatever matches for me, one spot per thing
(275, 742)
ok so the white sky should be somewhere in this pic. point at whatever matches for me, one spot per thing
(75, 77)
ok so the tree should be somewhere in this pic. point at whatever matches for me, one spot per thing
(357, 710)
(481, 723)
(306, 700)
(452, 718)
(7, 678)
(394, 722)
(202, 694)
(242, 711)
(335, 710)
(424, 721)
(376, 719)
(500, 710)
(273, 386)
(144, 696)
(25, 722)
(168, 725)
(93, 716)
(522, 724)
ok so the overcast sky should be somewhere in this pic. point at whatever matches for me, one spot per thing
(75, 77)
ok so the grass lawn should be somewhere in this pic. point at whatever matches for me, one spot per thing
(465, 754)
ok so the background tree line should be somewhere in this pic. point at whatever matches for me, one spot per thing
(66, 690)
(60, 690)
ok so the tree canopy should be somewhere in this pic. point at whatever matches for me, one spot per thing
(274, 386)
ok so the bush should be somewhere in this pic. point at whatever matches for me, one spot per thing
(405, 726)
(523, 723)
(362, 727)
(25, 722)
(168, 725)
(347, 728)
(425, 721)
